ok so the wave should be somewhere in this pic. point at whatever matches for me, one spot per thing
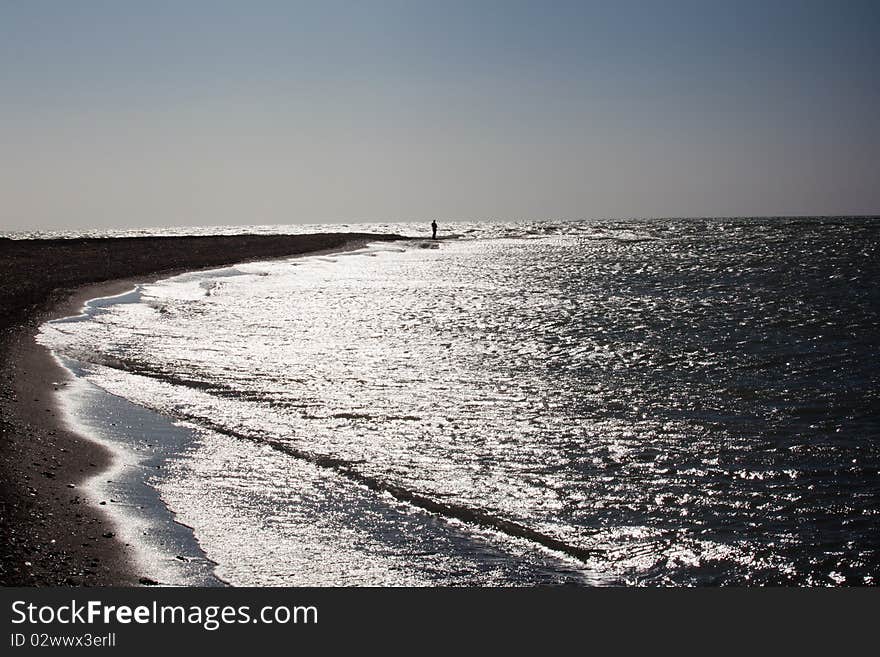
(447, 510)
(347, 468)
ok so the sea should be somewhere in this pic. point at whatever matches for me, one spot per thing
(650, 402)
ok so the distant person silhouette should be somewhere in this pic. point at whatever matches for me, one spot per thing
(434, 229)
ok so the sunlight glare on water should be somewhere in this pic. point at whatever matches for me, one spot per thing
(649, 402)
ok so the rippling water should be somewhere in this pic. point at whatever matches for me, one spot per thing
(645, 402)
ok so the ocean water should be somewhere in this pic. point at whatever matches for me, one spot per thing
(651, 402)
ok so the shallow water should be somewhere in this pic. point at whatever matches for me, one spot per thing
(644, 402)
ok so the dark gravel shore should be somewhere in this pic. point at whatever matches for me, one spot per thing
(50, 534)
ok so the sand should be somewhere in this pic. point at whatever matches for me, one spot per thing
(51, 532)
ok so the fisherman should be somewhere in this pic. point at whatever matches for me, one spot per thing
(434, 229)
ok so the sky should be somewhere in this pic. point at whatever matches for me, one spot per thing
(124, 114)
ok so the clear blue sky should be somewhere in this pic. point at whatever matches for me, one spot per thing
(118, 113)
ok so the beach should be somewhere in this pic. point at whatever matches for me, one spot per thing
(645, 403)
(51, 532)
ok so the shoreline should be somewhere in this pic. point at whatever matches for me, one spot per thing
(51, 534)
(140, 441)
